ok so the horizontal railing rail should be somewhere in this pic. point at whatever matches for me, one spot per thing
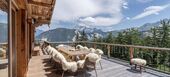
(3, 44)
(157, 58)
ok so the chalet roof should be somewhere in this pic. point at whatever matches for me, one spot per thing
(40, 11)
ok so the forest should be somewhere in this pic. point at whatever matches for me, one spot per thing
(155, 37)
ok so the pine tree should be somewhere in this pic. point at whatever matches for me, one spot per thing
(77, 36)
(84, 36)
(94, 39)
(165, 33)
(119, 38)
(109, 38)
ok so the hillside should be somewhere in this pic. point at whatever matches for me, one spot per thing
(63, 34)
(59, 34)
(38, 32)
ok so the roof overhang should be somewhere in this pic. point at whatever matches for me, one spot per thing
(40, 11)
(3, 5)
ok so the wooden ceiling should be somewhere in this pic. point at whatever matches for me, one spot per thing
(40, 11)
(3, 5)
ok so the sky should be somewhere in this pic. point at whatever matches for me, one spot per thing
(3, 17)
(106, 15)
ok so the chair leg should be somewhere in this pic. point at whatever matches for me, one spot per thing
(84, 73)
(135, 66)
(62, 74)
(144, 68)
(50, 59)
(100, 64)
(140, 69)
(95, 70)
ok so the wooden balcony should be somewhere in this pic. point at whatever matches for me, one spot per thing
(39, 66)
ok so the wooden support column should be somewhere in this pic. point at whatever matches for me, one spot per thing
(30, 40)
(26, 39)
(108, 52)
(131, 49)
(21, 49)
(32, 37)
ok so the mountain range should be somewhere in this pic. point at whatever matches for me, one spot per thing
(38, 32)
(64, 34)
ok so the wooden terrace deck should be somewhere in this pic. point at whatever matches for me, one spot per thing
(40, 67)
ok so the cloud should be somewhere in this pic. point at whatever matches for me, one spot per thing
(144, 1)
(88, 21)
(3, 13)
(90, 11)
(151, 10)
(3, 17)
(128, 18)
(125, 5)
(100, 21)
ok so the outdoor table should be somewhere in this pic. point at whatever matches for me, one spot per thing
(72, 52)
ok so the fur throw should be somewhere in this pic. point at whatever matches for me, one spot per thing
(139, 61)
(92, 50)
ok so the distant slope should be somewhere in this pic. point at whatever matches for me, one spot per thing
(64, 34)
(3, 32)
(38, 32)
(59, 34)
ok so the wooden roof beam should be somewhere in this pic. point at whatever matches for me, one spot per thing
(4, 5)
(52, 9)
(39, 3)
(39, 15)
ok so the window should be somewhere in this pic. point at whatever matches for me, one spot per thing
(3, 38)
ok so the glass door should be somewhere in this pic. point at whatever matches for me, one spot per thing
(4, 38)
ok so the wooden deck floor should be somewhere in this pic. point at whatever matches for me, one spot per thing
(3, 67)
(39, 67)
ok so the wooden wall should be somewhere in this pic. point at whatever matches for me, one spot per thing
(21, 38)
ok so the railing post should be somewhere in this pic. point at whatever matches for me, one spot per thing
(94, 46)
(85, 44)
(131, 49)
(108, 52)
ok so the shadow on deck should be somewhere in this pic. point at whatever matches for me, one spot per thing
(39, 66)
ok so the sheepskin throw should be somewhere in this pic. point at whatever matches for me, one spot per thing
(139, 61)
(99, 52)
(80, 63)
(92, 57)
(57, 56)
(79, 47)
(86, 48)
(2, 50)
(92, 50)
(71, 66)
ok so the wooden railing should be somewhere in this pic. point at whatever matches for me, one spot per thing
(3, 45)
(157, 58)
